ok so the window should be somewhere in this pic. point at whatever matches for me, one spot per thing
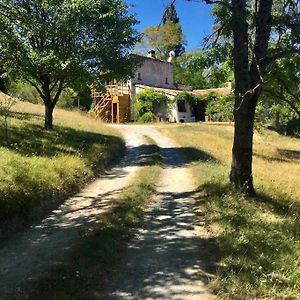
(167, 81)
(139, 76)
(181, 106)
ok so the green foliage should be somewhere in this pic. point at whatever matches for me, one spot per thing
(69, 97)
(6, 104)
(163, 38)
(282, 93)
(25, 91)
(187, 97)
(220, 108)
(204, 69)
(2, 85)
(292, 127)
(56, 43)
(148, 104)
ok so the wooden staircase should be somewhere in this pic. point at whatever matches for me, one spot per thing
(113, 105)
(103, 104)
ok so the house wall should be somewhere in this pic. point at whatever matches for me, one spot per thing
(154, 72)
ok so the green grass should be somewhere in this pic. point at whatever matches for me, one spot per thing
(101, 246)
(257, 239)
(40, 168)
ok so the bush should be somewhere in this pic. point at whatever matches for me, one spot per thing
(70, 98)
(220, 108)
(148, 105)
(25, 91)
(292, 128)
(187, 97)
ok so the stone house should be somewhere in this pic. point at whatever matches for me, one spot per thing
(117, 104)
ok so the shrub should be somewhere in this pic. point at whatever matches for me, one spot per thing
(187, 97)
(220, 108)
(292, 127)
(148, 104)
(24, 91)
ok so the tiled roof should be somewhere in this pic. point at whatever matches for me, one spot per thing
(219, 91)
(174, 91)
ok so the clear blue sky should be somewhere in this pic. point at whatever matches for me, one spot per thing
(195, 17)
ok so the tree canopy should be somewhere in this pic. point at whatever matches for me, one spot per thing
(203, 69)
(55, 43)
(163, 38)
(170, 14)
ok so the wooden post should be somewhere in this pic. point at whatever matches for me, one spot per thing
(118, 111)
(112, 111)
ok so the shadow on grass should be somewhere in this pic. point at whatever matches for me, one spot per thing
(24, 116)
(289, 154)
(285, 156)
(271, 158)
(33, 140)
(258, 240)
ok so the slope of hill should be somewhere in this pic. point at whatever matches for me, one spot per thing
(40, 168)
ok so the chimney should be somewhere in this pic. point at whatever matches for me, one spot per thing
(151, 54)
(230, 84)
(171, 56)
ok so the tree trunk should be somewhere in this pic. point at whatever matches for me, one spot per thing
(48, 116)
(2, 86)
(241, 167)
(248, 78)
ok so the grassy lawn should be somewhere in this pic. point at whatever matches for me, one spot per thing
(258, 239)
(39, 168)
(101, 246)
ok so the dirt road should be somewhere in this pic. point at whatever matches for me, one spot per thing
(163, 260)
(29, 254)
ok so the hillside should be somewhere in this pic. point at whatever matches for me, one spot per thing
(40, 168)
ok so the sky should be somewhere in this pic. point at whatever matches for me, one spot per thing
(194, 15)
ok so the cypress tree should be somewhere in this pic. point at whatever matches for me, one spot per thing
(170, 14)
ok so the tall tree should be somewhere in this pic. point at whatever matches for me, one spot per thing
(54, 44)
(170, 14)
(163, 38)
(250, 25)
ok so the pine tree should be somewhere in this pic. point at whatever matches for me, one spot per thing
(170, 14)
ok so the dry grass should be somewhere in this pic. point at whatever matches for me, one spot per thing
(258, 239)
(276, 164)
(40, 168)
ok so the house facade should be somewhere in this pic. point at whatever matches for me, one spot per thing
(117, 104)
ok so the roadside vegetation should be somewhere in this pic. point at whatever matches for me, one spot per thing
(39, 168)
(258, 238)
(102, 245)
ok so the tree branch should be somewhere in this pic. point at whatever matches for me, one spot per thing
(37, 88)
(218, 2)
(280, 54)
(281, 97)
(216, 33)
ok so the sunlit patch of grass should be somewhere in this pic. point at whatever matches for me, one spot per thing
(102, 245)
(39, 168)
(258, 238)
